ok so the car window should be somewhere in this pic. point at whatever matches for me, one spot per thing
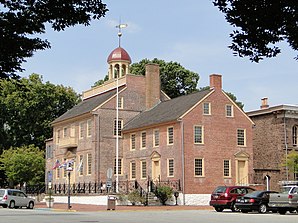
(219, 190)
(9, 192)
(2, 192)
(285, 190)
(234, 191)
(250, 190)
(295, 190)
(21, 194)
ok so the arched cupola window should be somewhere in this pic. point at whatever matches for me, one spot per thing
(116, 71)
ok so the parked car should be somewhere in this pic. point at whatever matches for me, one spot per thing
(224, 197)
(286, 200)
(12, 198)
(255, 201)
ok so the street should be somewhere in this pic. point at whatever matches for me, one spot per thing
(180, 216)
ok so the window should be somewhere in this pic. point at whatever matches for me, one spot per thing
(81, 165)
(229, 111)
(199, 167)
(132, 170)
(206, 108)
(119, 167)
(81, 130)
(64, 168)
(58, 173)
(143, 169)
(58, 135)
(89, 127)
(120, 102)
(156, 137)
(120, 123)
(64, 132)
(170, 167)
(133, 141)
(143, 140)
(170, 135)
(198, 134)
(89, 163)
(226, 168)
(294, 132)
(49, 151)
(241, 137)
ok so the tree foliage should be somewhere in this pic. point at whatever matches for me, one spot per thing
(22, 20)
(292, 161)
(23, 164)
(175, 79)
(28, 106)
(260, 25)
(163, 193)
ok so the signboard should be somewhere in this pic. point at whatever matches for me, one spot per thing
(110, 173)
(109, 183)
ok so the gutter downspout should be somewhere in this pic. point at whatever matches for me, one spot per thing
(286, 145)
(182, 159)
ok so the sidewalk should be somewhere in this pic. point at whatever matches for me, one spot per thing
(89, 207)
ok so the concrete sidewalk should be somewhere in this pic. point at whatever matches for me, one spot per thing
(89, 207)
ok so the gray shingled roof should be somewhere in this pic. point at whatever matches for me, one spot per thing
(166, 111)
(85, 106)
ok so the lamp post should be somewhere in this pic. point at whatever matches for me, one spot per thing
(68, 192)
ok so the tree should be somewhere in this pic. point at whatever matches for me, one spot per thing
(21, 21)
(23, 164)
(163, 193)
(28, 106)
(260, 26)
(292, 162)
(175, 79)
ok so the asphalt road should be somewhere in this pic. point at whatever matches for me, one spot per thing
(180, 216)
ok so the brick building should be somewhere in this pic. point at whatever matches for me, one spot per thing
(201, 140)
(274, 136)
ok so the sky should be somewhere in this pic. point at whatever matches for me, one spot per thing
(193, 33)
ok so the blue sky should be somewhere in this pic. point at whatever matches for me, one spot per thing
(193, 33)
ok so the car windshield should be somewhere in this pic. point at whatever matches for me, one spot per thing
(220, 189)
(254, 194)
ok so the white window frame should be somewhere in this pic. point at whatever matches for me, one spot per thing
(143, 166)
(295, 135)
(65, 132)
(119, 127)
(81, 170)
(170, 169)
(89, 128)
(228, 111)
(244, 137)
(133, 170)
(227, 167)
(89, 163)
(120, 165)
(156, 138)
(143, 140)
(81, 130)
(120, 102)
(200, 168)
(132, 141)
(202, 134)
(209, 108)
(170, 138)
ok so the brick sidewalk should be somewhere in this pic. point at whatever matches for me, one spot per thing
(89, 207)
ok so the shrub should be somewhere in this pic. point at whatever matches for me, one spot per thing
(135, 197)
(163, 193)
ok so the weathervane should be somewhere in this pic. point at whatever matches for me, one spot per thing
(120, 26)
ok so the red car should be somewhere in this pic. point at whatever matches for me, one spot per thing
(224, 197)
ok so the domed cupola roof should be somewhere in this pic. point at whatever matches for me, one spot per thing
(119, 54)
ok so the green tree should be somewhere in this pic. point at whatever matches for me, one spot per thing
(175, 79)
(163, 193)
(260, 25)
(28, 106)
(21, 22)
(292, 162)
(23, 164)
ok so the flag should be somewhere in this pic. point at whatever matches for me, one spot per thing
(56, 165)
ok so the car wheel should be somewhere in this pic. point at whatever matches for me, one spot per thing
(262, 208)
(31, 205)
(282, 212)
(12, 204)
(218, 209)
(234, 208)
(4, 205)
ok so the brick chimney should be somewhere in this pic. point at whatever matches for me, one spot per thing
(152, 85)
(215, 81)
(264, 103)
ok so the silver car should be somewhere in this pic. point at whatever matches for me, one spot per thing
(15, 199)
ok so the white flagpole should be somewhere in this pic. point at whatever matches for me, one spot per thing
(117, 137)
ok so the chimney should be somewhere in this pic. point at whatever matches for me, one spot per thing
(152, 85)
(215, 81)
(264, 103)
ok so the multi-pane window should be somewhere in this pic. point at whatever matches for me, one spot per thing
(81, 130)
(206, 108)
(199, 167)
(81, 166)
(294, 133)
(64, 169)
(170, 167)
(120, 102)
(170, 135)
(89, 127)
(119, 166)
(143, 169)
(49, 151)
(241, 137)
(89, 163)
(226, 168)
(198, 134)
(229, 111)
(64, 132)
(58, 135)
(143, 140)
(120, 123)
(156, 137)
(133, 170)
(58, 173)
(133, 141)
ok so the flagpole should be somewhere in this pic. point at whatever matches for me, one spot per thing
(117, 137)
